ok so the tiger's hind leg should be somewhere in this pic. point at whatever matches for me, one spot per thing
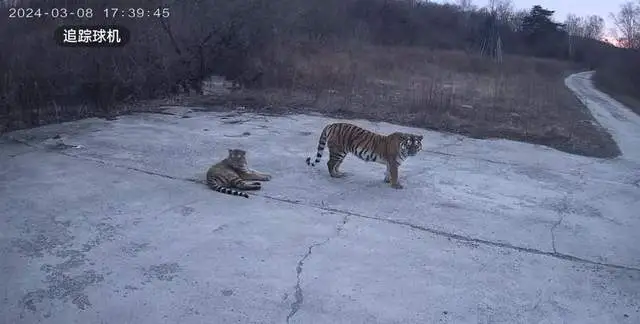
(241, 184)
(336, 157)
(256, 175)
(250, 186)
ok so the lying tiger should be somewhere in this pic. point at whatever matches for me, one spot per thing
(391, 150)
(233, 172)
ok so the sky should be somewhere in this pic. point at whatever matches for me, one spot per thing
(564, 7)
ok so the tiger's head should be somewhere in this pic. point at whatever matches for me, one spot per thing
(237, 158)
(410, 144)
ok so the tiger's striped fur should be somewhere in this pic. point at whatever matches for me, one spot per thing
(233, 172)
(344, 138)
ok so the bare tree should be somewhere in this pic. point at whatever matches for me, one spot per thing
(627, 21)
(503, 9)
(491, 5)
(467, 8)
(637, 35)
(465, 5)
(574, 25)
(515, 19)
(613, 33)
(588, 27)
(593, 27)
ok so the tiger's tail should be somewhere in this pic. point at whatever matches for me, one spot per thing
(213, 185)
(321, 144)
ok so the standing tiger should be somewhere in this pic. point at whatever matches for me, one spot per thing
(234, 172)
(391, 150)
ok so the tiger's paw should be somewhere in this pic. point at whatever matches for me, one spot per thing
(397, 186)
(339, 174)
(266, 177)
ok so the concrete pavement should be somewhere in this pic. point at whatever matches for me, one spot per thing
(115, 226)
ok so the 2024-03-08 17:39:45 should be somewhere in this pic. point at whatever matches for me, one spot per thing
(35, 13)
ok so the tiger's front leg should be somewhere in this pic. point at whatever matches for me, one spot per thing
(256, 176)
(393, 176)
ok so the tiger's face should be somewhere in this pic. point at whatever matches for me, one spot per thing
(411, 144)
(237, 158)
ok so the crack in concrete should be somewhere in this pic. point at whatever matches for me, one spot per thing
(86, 158)
(458, 237)
(463, 238)
(552, 230)
(298, 294)
(592, 179)
(562, 211)
(340, 226)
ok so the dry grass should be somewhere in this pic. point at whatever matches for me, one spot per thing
(521, 99)
(619, 76)
(632, 101)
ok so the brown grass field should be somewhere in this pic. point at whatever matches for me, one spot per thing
(522, 99)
